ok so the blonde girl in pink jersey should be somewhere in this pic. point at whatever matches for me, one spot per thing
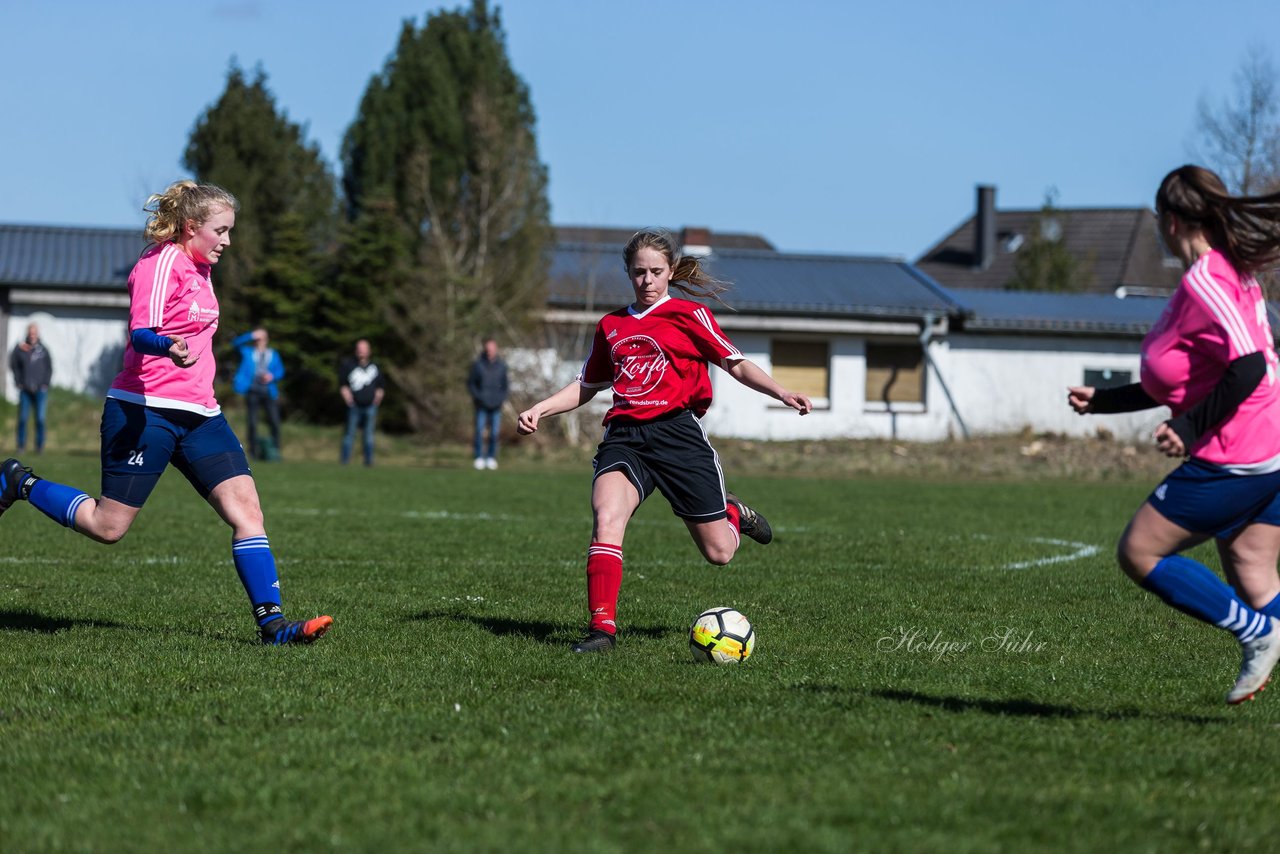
(161, 408)
(1210, 359)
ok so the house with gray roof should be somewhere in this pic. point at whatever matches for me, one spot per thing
(881, 347)
(1116, 249)
(73, 283)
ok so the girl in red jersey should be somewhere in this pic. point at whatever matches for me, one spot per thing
(161, 409)
(654, 353)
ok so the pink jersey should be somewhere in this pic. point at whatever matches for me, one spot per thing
(656, 359)
(1212, 319)
(172, 294)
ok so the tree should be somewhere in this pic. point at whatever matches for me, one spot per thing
(285, 228)
(445, 137)
(1043, 262)
(1240, 136)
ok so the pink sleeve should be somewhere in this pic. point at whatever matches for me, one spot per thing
(1215, 318)
(150, 285)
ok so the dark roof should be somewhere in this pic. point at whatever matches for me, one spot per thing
(618, 237)
(64, 256)
(592, 276)
(1023, 311)
(1118, 246)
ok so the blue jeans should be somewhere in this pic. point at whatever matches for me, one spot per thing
(487, 417)
(28, 401)
(356, 415)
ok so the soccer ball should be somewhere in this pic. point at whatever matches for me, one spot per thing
(721, 636)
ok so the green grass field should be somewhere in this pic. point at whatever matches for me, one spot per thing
(940, 666)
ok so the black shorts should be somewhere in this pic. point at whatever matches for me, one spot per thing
(672, 455)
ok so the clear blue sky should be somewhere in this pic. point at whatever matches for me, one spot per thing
(849, 127)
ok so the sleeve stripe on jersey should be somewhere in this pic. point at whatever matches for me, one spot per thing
(705, 319)
(1223, 308)
(160, 285)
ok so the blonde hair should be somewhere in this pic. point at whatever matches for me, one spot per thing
(183, 201)
(687, 274)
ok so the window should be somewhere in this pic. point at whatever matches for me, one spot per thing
(1106, 378)
(803, 367)
(895, 373)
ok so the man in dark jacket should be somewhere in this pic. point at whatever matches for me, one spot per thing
(32, 369)
(362, 386)
(488, 386)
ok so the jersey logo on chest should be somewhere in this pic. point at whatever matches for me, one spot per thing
(639, 365)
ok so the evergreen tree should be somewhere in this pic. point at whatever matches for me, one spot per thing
(445, 137)
(1043, 262)
(285, 228)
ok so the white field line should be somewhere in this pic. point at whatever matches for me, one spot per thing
(1080, 550)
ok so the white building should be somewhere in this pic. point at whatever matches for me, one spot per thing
(882, 349)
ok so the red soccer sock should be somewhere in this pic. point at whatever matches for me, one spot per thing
(735, 518)
(604, 578)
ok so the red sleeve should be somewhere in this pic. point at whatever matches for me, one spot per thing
(597, 370)
(713, 345)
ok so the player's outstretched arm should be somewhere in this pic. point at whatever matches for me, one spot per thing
(754, 377)
(568, 398)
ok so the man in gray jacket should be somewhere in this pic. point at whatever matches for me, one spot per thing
(487, 383)
(32, 369)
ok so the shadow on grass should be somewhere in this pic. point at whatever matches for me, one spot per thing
(538, 630)
(1032, 709)
(30, 621)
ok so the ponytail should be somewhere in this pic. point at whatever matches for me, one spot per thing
(687, 273)
(1246, 229)
(183, 201)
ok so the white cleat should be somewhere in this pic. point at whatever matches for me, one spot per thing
(479, 464)
(491, 464)
(1260, 656)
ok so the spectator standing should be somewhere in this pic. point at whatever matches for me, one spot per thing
(362, 390)
(488, 385)
(258, 378)
(32, 369)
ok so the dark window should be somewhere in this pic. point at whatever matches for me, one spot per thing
(1106, 378)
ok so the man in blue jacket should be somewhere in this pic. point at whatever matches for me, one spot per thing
(258, 380)
(488, 385)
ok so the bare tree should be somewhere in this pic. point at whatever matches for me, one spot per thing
(1239, 137)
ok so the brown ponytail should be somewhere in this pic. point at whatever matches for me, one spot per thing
(1246, 229)
(687, 273)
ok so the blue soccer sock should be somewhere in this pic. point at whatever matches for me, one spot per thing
(256, 567)
(1193, 589)
(56, 501)
(1272, 608)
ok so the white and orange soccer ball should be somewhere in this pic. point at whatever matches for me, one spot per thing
(722, 636)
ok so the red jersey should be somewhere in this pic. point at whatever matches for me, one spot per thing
(656, 359)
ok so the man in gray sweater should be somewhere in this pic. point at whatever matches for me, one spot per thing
(32, 369)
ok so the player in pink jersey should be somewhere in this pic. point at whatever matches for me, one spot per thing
(161, 408)
(654, 355)
(1210, 359)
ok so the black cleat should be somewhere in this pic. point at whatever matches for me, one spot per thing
(751, 523)
(280, 631)
(13, 475)
(596, 640)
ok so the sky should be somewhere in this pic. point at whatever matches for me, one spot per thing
(835, 127)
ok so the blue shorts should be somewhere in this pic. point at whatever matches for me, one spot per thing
(1206, 499)
(138, 442)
